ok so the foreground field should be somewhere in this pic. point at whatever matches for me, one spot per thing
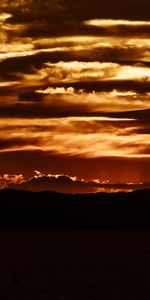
(73, 265)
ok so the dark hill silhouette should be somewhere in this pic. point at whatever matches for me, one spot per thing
(51, 210)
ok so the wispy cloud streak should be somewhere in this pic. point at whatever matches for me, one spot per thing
(75, 82)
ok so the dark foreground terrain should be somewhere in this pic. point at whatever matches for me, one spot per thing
(74, 265)
(65, 247)
(50, 210)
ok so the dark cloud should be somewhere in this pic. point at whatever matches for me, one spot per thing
(115, 53)
(60, 183)
(130, 9)
(109, 85)
(72, 9)
(134, 114)
(30, 97)
(66, 184)
(144, 129)
(116, 31)
(36, 109)
(29, 10)
(10, 142)
(50, 28)
(6, 91)
(24, 64)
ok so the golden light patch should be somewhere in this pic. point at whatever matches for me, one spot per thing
(4, 17)
(112, 22)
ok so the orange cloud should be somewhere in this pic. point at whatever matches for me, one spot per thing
(112, 22)
(6, 179)
(75, 71)
(84, 136)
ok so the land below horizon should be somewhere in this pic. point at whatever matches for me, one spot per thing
(51, 210)
(74, 265)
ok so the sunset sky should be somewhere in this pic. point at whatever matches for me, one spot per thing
(75, 95)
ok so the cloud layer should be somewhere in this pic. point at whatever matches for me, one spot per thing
(75, 79)
(65, 184)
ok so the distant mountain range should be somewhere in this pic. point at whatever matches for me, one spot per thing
(51, 210)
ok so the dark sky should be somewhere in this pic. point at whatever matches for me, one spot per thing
(74, 94)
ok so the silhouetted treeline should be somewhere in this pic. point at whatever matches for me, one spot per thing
(50, 210)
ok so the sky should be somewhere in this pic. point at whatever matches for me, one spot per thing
(75, 95)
